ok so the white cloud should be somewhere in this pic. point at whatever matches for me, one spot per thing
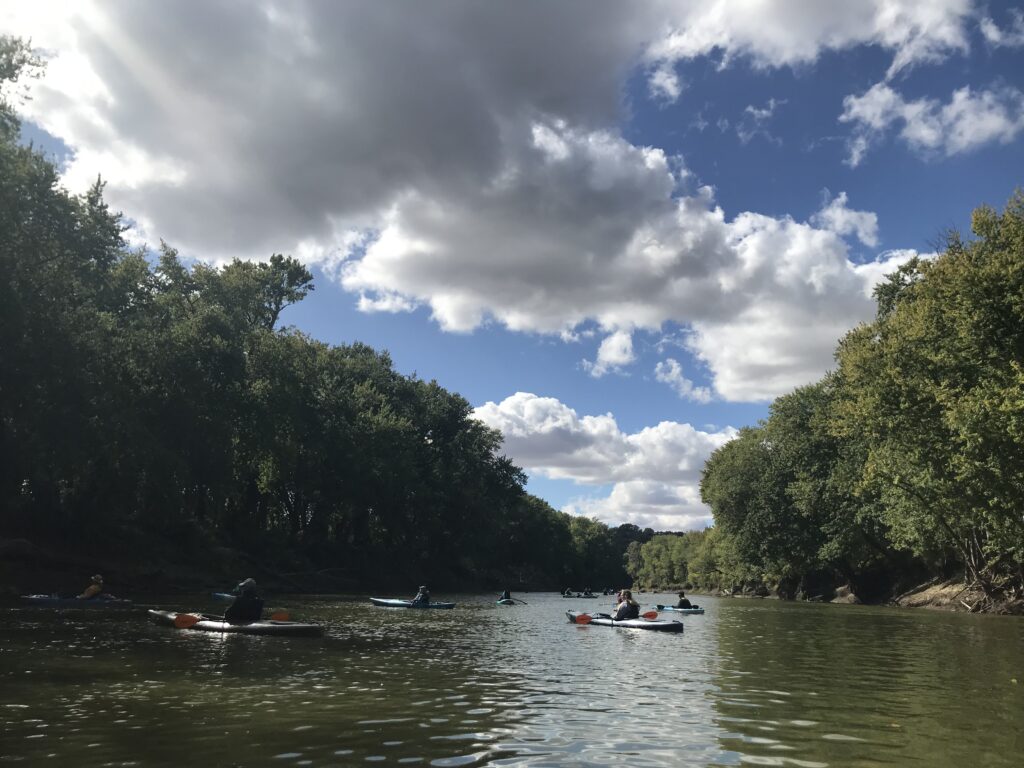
(615, 352)
(753, 121)
(468, 159)
(664, 84)
(968, 121)
(670, 372)
(1012, 37)
(836, 217)
(655, 472)
(794, 32)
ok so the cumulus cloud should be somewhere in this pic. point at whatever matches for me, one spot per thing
(655, 473)
(468, 158)
(969, 120)
(670, 372)
(615, 352)
(837, 217)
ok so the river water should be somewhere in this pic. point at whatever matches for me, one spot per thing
(757, 682)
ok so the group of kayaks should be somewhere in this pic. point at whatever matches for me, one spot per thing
(209, 623)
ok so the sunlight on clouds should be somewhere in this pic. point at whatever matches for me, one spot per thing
(480, 189)
(655, 472)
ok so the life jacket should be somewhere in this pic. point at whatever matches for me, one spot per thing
(247, 608)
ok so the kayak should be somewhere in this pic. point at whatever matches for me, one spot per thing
(506, 601)
(604, 620)
(55, 601)
(581, 597)
(263, 627)
(226, 597)
(691, 611)
(385, 602)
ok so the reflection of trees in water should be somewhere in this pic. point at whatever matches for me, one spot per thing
(838, 684)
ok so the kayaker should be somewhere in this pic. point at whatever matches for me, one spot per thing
(568, 592)
(423, 596)
(94, 589)
(505, 595)
(247, 607)
(628, 608)
(683, 601)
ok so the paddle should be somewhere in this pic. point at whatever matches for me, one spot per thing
(280, 615)
(520, 601)
(649, 615)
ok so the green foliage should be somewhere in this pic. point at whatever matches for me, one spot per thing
(934, 390)
(908, 456)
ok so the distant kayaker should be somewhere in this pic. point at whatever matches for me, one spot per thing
(568, 592)
(628, 608)
(505, 595)
(247, 607)
(423, 596)
(94, 589)
(683, 602)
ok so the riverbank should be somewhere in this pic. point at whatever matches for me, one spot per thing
(937, 594)
(955, 595)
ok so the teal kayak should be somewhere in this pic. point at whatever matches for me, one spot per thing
(385, 602)
(506, 601)
(692, 611)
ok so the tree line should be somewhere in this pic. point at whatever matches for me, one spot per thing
(161, 409)
(903, 463)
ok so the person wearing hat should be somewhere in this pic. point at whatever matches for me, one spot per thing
(423, 596)
(628, 608)
(94, 589)
(683, 601)
(247, 607)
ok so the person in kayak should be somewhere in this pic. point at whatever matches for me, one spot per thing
(423, 596)
(505, 595)
(568, 592)
(247, 607)
(683, 601)
(95, 588)
(628, 608)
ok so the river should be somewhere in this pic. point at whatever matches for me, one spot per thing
(757, 682)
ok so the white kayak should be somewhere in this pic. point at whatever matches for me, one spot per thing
(604, 620)
(208, 623)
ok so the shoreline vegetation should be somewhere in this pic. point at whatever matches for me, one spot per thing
(160, 425)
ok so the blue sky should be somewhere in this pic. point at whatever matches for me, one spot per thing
(617, 229)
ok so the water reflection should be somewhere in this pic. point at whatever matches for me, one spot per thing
(819, 685)
(751, 682)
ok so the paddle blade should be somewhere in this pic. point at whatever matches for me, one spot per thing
(280, 615)
(186, 620)
(584, 619)
(649, 615)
